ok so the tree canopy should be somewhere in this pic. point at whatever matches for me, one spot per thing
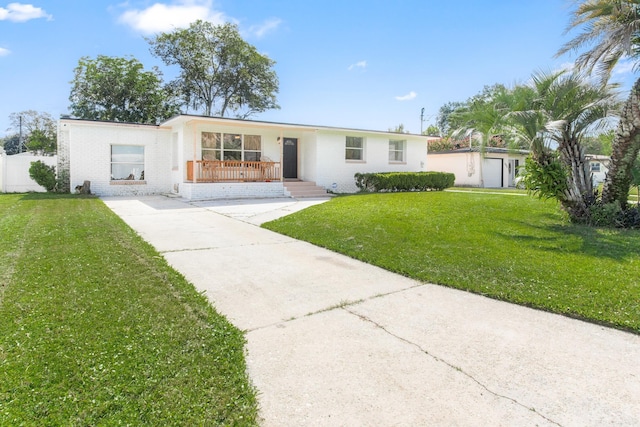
(220, 73)
(11, 144)
(39, 133)
(119, 89)
(551, 116)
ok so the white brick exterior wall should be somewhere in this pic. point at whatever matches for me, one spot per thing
(335, 173)
(89, 148)
(239, 190)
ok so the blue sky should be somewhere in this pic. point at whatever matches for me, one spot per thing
(368, 64)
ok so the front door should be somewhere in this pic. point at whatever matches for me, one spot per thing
(290, 158)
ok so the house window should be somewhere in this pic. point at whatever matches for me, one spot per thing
(174, 151)
(396, 150)
(595, 167)
(354, 148)
(211, 146)
(252, 148)
(231, 146)
(127, 162)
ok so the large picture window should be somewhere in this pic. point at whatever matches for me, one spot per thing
(231, 146)
(396, 150)
(354, 148)
(127, 162)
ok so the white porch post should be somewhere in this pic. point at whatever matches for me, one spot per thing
(281, 142)
(195, 145)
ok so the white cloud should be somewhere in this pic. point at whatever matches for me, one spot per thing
(18, 12)
(568, 67)
(266, 27)
(624, 67)
(408, 97)
(359, 64)
(161, 17)
(4, 52)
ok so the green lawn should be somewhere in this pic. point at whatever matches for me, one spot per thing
(96, 328)
(508, 247)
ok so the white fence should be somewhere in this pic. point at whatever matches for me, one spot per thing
(14, 172)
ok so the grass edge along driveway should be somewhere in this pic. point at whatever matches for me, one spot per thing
(97, 329)
(512, 248)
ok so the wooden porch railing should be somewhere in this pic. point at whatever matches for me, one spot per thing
(233, 170)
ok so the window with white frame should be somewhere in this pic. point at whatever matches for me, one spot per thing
(231, 146)
(211, 146)
(595, 167)
(396, 150)
(127, 162)
(252, 148)
(354, 148)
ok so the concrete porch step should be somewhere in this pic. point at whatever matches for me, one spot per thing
(301, 189)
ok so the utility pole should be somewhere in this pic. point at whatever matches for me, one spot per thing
(421, 119)
(20, 143)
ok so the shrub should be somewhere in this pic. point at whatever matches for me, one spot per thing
(546, 179)
(404, 181)
(612, 215)
(441, 145)
(43, 174)
(604, 215)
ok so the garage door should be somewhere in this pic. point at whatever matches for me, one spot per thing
(492, 172)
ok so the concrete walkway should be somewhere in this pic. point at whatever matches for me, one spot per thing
(336, 342)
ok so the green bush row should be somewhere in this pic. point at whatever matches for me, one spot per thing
(404, 181)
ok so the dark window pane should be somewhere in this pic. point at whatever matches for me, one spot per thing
(252, 142)
(232, 142)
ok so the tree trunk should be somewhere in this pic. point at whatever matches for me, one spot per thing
(625, 149)
(579, 194)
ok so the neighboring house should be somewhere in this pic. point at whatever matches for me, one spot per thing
(14, 172)
(492, 168)
(599, 167)
(200, 157)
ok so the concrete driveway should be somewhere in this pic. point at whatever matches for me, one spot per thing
(336, 342)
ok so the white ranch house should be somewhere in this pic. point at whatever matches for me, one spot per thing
(199, 157)
(599, 167)
(493, 168)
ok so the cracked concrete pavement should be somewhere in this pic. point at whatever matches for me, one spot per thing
(332, 341)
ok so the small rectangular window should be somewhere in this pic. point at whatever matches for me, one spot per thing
(211, 146)
(595, 167)
(252, 148)
(127, 162)
(396, 150)
(354, 148)
(232, 145)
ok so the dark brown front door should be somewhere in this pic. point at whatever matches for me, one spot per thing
(290, 158)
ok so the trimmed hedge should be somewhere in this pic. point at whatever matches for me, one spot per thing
(404, 181)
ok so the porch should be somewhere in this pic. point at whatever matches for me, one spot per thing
(208, 171)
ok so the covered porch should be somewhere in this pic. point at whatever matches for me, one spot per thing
(210, 171)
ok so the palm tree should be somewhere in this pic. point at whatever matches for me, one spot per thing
(612, 28)
(571, 107)
(565, 108)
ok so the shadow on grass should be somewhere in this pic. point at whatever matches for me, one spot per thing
(616, 244)
(55, 196)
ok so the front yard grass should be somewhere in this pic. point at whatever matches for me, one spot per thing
(97, 329)
(512, 248)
